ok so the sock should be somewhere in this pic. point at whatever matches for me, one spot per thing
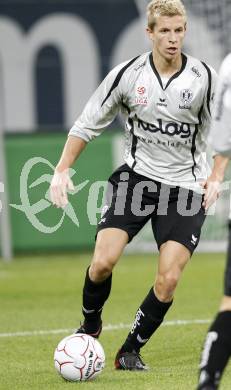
(148, 318)
(94, 297)
(216, 351)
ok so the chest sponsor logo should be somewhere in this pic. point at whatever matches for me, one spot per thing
(186, 97)
(169, 128)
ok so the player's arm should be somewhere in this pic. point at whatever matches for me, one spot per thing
(98, 113)
(213, 183)
(61, 181)
(220, 134)
(71, 151)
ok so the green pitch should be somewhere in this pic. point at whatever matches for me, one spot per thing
(43, 294)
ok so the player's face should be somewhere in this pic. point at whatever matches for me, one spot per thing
(168, 35)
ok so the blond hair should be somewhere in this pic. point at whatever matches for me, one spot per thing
(164, 8)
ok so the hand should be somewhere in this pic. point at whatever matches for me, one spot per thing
(212, 189)
(59, 186)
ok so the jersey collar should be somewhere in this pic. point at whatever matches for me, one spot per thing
(184, 62)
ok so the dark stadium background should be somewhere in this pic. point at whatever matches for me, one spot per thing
(44, 86)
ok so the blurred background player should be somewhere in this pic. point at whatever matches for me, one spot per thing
(165, 96)
(217, 346)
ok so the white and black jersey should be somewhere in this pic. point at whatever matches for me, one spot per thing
(220, 134)
(166, 120)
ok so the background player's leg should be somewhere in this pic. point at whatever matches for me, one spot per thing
(172, 259)
(216, 351)
(109, 246)
(217, 345)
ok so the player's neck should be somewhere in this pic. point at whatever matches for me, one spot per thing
(167, 67)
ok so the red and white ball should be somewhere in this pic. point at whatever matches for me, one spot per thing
(79, 357)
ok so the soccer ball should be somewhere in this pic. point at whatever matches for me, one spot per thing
(79, 357)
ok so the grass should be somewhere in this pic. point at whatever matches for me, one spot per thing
(44, 293)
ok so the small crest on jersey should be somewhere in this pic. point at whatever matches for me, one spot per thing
(141, 98)
(186, 97)
(141, 90)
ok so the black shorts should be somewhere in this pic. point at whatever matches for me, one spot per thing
(132, 200)
(227, 276)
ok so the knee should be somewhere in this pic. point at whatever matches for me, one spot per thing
(225, 303)
(100, 270)
(165, 285)
(102, 263)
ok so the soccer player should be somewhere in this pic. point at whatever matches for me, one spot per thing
(165, 96)
(217, 346)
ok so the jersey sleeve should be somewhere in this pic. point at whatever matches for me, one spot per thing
(220, 133)
(209, 97)
(102, 107)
